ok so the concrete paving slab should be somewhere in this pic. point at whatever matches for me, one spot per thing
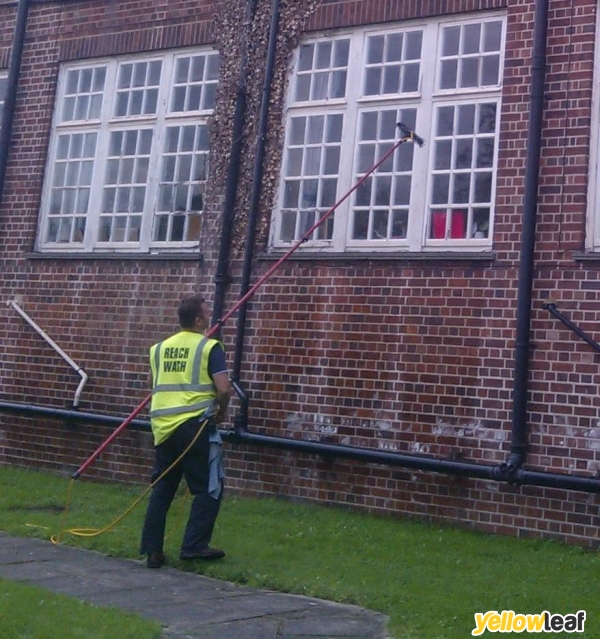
(189, 606)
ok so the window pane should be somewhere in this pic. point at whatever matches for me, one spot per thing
(182, 183)
(464, 153)
(322, 70)
(388, 71)
(470, 55)
(303, 88)
(485, 153)
(404, 157)
(315, 128)
(483, 187)
(361, 225)
(288, 226)
(445, 123)
(383, 186)
(399, 225)
(373, 81)
(328, 193)
(193, 228)
(490, 70)
(334, 128)
(402, 190)
(393, 47)
(363, 193)
(366, 157)
(323, 57)
(443, 154)
(341, 50)
(291, 194)
(320, 86)
(410, 81)
(466, 119)
(332, 160)
(492, 38)
(481, 223)
(471, 38)
(305, 60)
(413, 45)
(380, 225)
(450, 41)
(391, 79)
(213, 66)
(469, 76)
(69, 193)
(195, 83)
(375, 49)
(294, 162)
(487, 118)
(441, 186)
(461, 188)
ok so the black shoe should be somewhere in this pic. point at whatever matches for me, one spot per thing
(208, 554)
(155, 560)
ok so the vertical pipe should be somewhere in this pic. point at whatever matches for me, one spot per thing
(78, 369)
(14, 70)
(518, 448)
(222, 278)
(241, 419)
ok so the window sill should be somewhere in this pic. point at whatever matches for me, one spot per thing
(587, 256)
(111, 255)
(380, 256)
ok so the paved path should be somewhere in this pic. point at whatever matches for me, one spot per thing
(189, 606)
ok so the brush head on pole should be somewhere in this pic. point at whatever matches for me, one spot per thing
(407, 134)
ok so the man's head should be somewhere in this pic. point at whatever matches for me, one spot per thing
(194, 314)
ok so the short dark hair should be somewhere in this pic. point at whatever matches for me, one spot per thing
(189, 309)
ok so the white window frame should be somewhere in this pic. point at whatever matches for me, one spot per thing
(592, 242)
(141, 215)
(425, 100)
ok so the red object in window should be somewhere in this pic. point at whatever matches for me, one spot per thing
(458, 224)
(438, 225)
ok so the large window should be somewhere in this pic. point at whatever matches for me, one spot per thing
(593, 217)
(129, 152)
(442, 79)
(3, 89)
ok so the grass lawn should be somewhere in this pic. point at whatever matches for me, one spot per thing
(28, 612)
(430, 579)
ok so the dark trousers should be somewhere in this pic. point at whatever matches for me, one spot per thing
(194, 467)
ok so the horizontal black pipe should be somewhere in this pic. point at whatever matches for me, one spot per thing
(421, 462)
(404, 460)
(367, 455)
(70, 415)
(551, 308)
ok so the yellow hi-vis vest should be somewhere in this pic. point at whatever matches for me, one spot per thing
(182, 387)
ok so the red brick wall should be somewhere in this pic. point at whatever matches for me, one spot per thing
(397, 355)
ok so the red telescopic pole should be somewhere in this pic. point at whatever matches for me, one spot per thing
(407, 136)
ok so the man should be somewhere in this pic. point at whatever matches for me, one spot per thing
(190, 391)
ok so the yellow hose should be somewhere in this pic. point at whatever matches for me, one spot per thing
(94, 532)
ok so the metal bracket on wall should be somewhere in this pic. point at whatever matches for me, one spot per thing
(550, 306)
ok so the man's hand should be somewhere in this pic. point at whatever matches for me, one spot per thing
(221, 415)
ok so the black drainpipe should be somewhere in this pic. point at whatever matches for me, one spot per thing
(222, 278)
(8, 111)
(241, 418)
(519, 443)
(75, 418)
